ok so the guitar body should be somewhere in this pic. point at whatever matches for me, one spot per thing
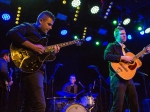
(126, 70)
(27, 60)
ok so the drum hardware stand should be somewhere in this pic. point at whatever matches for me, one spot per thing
(89, 110)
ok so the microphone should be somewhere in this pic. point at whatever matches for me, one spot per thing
(94, 84)
(59, 64)
(92, 66)
(142, 73)
(81, 84)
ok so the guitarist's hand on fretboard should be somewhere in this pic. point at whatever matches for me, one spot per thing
(147, 50)
(56, 49)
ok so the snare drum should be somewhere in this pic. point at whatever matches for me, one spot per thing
(74, 108)
(87, 101)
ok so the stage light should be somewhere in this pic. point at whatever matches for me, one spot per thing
(75, 19)
(61, 16)
(6, 17)
(108, 10)
(129, 37)
(147, 30)
(19, 8)
(97, 43)
(126, 21)
(114, 22)
(64, 32)
(89, 38)
(6, 1)
(139, 28)
(76, 37)
(94, 9)
(142, 32)
(18, 15)
(75, 3)
(105, 43)
(17, 19)
(102, 31)
(64, 2)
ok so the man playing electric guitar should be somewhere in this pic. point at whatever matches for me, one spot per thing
(115, 53)
(5, 80)
(27, 35)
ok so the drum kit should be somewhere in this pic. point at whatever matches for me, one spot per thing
(69, 102)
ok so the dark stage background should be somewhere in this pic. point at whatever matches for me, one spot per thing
(76, 59)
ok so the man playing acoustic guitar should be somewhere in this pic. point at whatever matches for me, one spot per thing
(122, 67)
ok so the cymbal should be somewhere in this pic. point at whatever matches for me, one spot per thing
(60, 98)
(66, 94)
(91, 94)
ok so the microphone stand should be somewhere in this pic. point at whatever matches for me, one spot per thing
(52, 89)
(52, 78)
(145, 86)
(100, 77)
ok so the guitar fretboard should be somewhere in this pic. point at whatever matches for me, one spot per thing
(50, 48)
(140, 53)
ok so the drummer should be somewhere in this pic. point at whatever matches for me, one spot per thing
(71, 87)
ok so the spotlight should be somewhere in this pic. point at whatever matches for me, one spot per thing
(76, 3)
(94, 9)
(129, 37)
(108, 10)
(64, 32)
(89, 38)
(142, 32)
(147, 30)
(6, 16)
(126, 21)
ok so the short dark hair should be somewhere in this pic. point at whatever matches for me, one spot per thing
(45, 13)
(72, 75)
(4, 52)
(117, 29)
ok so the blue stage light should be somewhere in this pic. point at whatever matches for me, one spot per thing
(89, 38)
(64, 32)
(129, 37)
(142, 32)
(105, 43)
(6, 16)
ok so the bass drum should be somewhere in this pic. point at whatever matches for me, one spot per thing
(74, 108)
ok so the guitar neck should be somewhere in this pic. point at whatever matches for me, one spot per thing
(50, 48)
(140, 53)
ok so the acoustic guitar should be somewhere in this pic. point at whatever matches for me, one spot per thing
(128, 70)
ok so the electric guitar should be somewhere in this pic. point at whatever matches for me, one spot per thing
(29, 61)
(128, 70)
(6, 83)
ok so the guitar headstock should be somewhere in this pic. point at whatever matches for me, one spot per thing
(147, 49)
(79, 42)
